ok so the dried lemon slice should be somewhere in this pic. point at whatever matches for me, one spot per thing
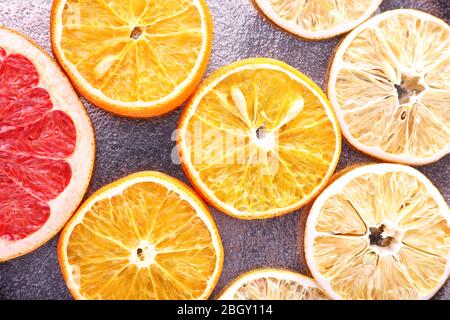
(273, 284)
(390, 87)
(379, 232)
(318, 19)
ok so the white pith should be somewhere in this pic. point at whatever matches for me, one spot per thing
(188, 197)
(337, 67)
(192, 109)
(99, 95)
(148, 256)
(63, 98)
(336, 187)
(292, 27)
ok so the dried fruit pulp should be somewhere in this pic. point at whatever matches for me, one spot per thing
(34, 142)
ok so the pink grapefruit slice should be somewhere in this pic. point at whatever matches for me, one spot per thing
(47, 147)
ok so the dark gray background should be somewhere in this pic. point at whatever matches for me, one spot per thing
(126, 146)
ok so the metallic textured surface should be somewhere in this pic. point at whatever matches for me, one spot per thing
(126, 146)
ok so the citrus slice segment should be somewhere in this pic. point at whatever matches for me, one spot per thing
(144, 237)
(46, 147)
(272, 284)
(259, 139)
(379, 232)
(389, 87)
(318, 19)
(133, 58)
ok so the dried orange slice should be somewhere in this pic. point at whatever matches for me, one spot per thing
(318, 19)
(273, 284)
(389, 85)
(133, 58)
(144, 237)
(379, 232)
(259, 139)
(47, 147)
